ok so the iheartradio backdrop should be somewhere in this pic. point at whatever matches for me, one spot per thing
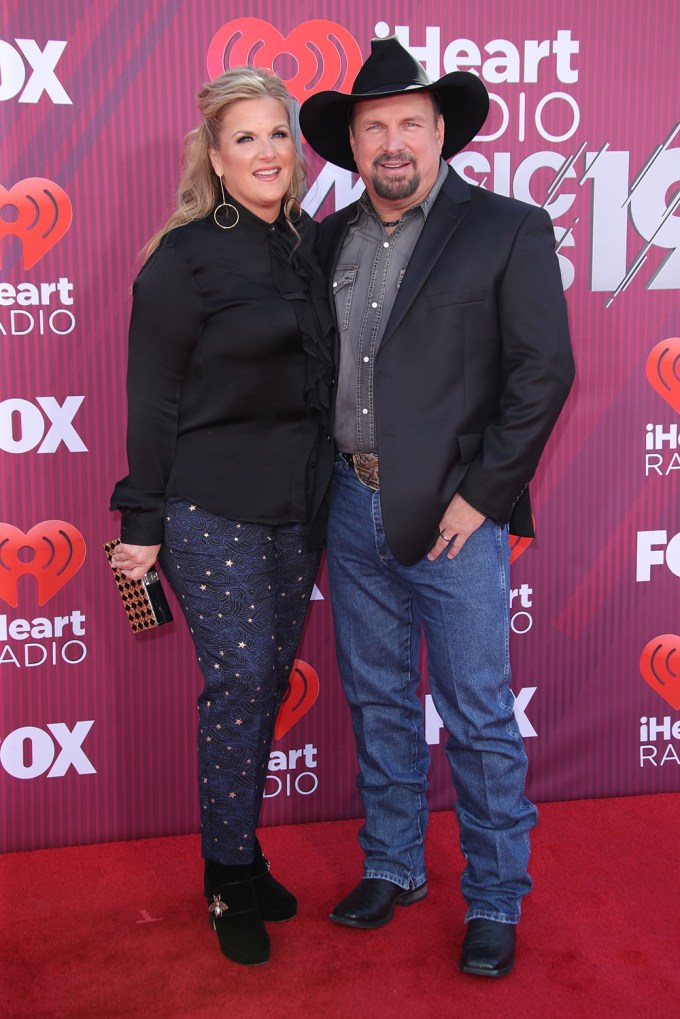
(97, 725)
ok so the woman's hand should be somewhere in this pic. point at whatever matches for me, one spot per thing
(134, 560)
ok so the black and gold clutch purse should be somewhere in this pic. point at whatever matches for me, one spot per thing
(144, 600)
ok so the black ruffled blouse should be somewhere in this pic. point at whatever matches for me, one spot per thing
(229, 376)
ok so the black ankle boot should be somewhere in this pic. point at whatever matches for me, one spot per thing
(234, 914)
(273, 900)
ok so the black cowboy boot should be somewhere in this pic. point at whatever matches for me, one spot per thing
(234, 913)
(273, 900)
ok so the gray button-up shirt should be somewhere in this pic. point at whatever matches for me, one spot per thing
(367, 277)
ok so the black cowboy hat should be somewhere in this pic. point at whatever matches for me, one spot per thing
(390, 70)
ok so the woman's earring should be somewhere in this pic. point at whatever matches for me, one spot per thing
(229, 209)
(292, 209)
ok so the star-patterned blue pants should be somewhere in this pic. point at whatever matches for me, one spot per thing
(244, 590)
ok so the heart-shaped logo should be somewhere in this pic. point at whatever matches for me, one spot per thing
(663, 370)
(325, 53)
(660, 667)
(52, 552)
(517, 546)
(38, 212)
(303, 689)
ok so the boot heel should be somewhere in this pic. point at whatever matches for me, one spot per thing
(274, 902)
(412, 895)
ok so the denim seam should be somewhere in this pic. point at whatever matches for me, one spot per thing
(485, 914)
(379, 537)
(501, 536)
(416, 732)
(408, 884)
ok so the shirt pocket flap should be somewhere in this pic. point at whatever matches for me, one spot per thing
(344, 279)
(344, 275)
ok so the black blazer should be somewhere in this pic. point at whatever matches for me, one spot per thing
(474, 366)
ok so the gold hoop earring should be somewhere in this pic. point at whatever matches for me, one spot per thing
(228, 206)
(292, 209)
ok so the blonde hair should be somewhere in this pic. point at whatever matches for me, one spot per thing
(199, 187)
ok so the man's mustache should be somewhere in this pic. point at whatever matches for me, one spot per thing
(398, 157)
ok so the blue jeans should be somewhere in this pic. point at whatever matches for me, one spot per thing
(462, 605)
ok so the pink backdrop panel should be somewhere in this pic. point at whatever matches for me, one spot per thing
(97, 725)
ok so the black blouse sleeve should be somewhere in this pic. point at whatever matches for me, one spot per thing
(166, 320)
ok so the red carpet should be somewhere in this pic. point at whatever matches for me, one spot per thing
(121, 930)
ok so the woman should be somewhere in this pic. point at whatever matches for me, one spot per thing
(229, 458)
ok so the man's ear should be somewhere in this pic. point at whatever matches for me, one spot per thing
(439, 132)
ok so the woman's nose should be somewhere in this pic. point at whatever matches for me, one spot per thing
(266, 148)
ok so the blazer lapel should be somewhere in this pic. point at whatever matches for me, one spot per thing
(329, 249)
(443, 219)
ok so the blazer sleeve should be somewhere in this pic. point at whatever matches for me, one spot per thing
(164, 327)
(537, 371)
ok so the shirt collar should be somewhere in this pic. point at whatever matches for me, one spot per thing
(258, 227)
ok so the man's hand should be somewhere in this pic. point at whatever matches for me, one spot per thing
(134, 560)
(459, 521)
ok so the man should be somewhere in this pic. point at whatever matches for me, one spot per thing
(454, 364)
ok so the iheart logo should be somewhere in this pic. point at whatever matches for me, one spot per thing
(660, 667)
(52, 552)
(38, 212)
(663, 370)
(325, 53)
(303, 689)
(517, 546)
